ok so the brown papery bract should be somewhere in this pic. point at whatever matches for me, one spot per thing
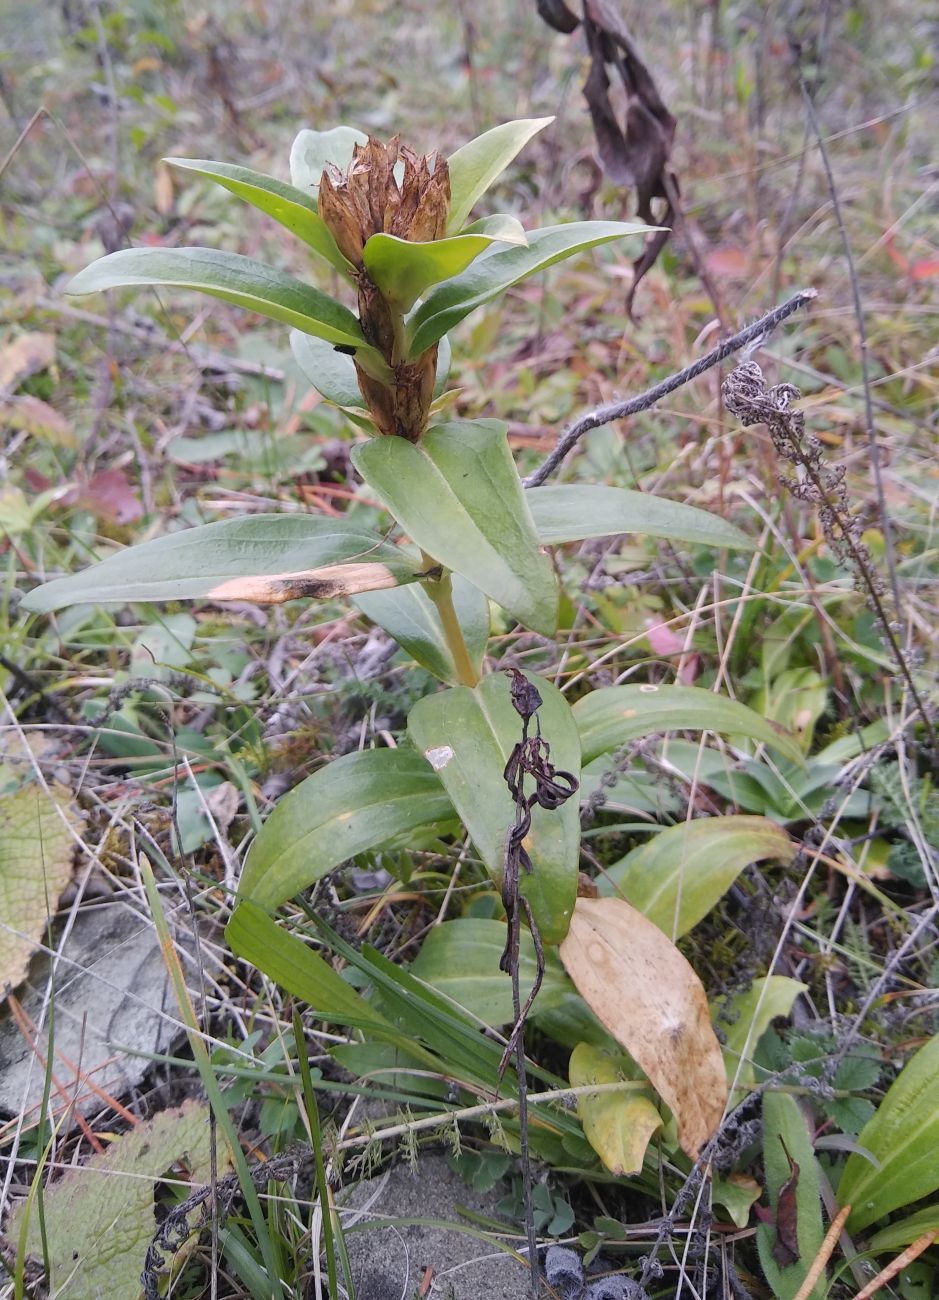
(641, 988)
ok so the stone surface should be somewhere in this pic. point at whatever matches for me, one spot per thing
(389, 1262)
(112, 992)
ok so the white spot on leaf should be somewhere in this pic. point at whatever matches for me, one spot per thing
(439, 757)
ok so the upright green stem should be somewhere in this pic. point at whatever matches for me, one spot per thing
(440, 590)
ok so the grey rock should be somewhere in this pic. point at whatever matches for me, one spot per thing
(112, 992)
(388, 1263)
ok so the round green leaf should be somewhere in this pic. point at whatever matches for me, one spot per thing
(312, 150)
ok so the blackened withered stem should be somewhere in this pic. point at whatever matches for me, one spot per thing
(440, 591)
(523, 1131)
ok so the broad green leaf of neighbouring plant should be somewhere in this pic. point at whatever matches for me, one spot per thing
(99, 1218)
(468, 736)
(618, 1125)
(498, 269)
(457, 495)
(236, 279)
(36, 851)
(354, 803)
(573, 512)
(404, 269)
(312, 150)
(615, 715)
(747, 1019)
(645, 993)
(476, 164)
(794, 1200)
(903, 1137)
(680, 873)
(262, 558)
(290, 207)
(410, 616)
(461, 959)
(897, 1236)
(795, 700)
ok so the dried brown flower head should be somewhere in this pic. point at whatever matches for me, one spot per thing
(367, 200)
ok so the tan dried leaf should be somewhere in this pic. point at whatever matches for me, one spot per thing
(38, 418)
(325, 583)
(27, 354)
(645, 993)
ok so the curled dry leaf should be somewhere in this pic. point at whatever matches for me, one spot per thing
(646, 994)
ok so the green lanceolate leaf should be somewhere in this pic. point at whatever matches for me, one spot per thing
(411, 617)
(461, 959)
(291, 208)
(677, 876)
(262, 558)
(331, 373)
(312, 150)
(457, 495)
(296, 968)
(241, 280)
(355, 803)
(903, 1137)
(794, 1200)
(615, 715)
(498, 269)
(468, 736)
(747, 1019)
(476, 164)
(405, 270)
(573, 512)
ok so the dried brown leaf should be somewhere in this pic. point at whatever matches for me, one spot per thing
(646, 994)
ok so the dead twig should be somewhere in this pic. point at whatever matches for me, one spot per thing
(633, 405)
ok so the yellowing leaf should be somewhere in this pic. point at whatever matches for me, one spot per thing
(35, 865)
(100, 1217)
(647, 996)
(618, 1125)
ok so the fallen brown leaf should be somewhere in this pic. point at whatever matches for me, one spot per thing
(646, 994)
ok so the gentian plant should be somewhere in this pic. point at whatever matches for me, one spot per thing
(500, 753)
